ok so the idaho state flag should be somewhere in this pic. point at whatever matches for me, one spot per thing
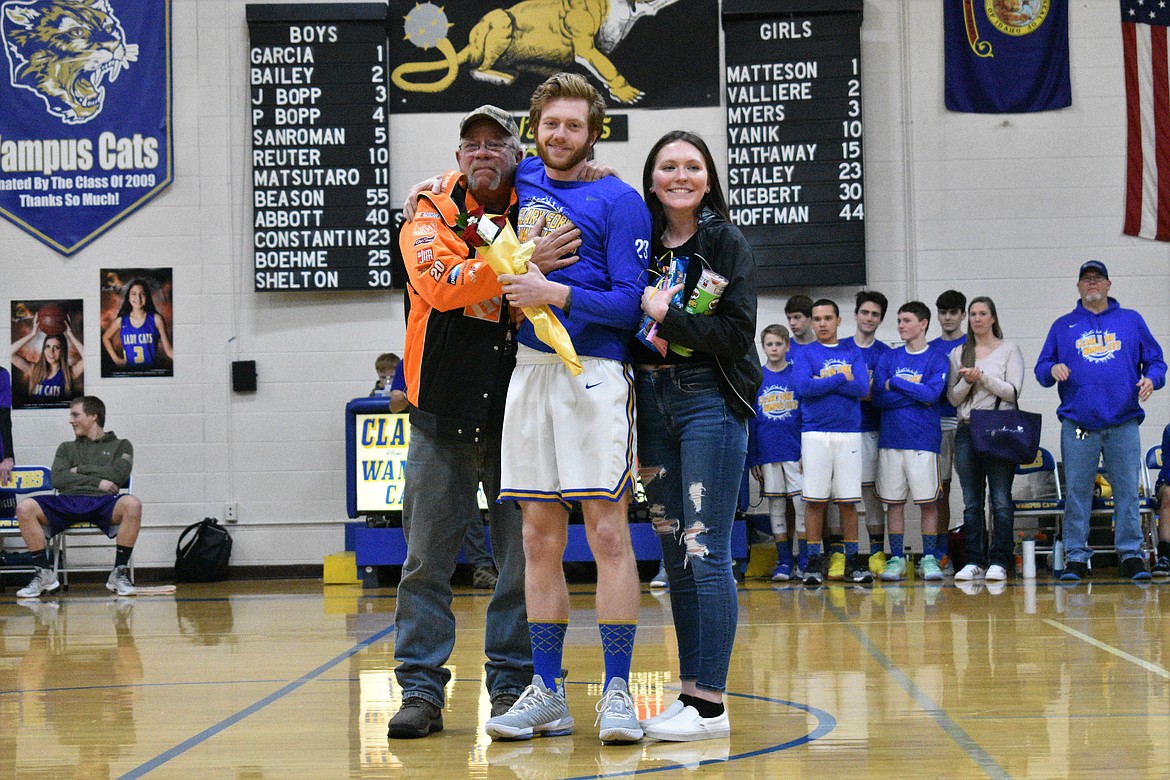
(1006, 56)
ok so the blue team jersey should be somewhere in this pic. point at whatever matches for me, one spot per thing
(52, 387)
(831, 381)
(139, 344)
(1164, 474)
(5, 389)
(608, 279)
(910, 411)
(774, 432)
(945, 347)
(871, 416)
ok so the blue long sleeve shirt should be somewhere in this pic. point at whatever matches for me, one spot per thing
(910, 409)
(831, 381)
(1106, 354)
(608, 279)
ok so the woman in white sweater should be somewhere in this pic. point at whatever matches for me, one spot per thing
(986, 373)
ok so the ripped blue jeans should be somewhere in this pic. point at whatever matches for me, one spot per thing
(691, 450)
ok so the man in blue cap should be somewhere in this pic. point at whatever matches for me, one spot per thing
(1105, 363)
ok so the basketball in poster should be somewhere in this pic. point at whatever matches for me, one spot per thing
(48, 363)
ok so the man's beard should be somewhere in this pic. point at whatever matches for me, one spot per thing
(579, 155)
(497, 178)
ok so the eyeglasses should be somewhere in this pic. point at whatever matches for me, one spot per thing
(1093, 279)
(495, 147)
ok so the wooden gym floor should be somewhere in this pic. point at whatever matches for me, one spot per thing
(287, 679)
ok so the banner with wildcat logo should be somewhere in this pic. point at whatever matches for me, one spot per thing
(85, 134)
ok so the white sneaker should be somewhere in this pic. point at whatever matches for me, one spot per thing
(995, 572)
(689, 726)
(968, 572)
(119, 582)
(674, 709)
(44, 582)
(660, 579)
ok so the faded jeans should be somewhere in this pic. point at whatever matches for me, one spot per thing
(441, 480)
(1121, 448)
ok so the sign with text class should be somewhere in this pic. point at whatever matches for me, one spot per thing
(321, 217)
(794, 138)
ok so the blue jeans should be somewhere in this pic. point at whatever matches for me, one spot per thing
(441, 480)
(1121, 447)
(977, 474)
(691, 450)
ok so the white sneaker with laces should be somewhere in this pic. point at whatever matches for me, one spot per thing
(119, 582)
(969, 572)
(44, 582)
(995, 572)
(689, 726)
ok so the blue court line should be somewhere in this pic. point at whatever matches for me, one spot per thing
(208, 733)
(825, 721)
(964, 740)
(825, 724)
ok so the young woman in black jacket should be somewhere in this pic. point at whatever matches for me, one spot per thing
(697, 375)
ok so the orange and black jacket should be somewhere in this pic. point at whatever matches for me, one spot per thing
(460, 349)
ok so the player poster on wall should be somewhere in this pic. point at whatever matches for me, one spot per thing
(48, 367)
(137, 322)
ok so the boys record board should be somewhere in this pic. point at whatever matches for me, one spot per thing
(794, 138)
(318, 92)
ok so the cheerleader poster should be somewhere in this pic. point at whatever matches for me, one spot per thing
(136, 322)
(48, 365)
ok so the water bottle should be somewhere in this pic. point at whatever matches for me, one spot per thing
(1058, 556)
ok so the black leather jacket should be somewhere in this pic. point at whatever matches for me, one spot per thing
(728, 336)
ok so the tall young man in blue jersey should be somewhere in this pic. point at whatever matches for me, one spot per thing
(906, 388)
(868, 313)
(571, 438)
(831, 379)
(1105, 363)
(951, 306)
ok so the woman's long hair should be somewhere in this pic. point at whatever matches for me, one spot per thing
(148, 306)
(713, 200)
(42, 370)
(967, 356)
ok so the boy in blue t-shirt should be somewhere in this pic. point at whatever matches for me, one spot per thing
(774, 448)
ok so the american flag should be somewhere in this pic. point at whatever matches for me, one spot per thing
(1147, 104)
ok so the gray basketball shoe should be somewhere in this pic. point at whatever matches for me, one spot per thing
(537, 711)
(615, 713)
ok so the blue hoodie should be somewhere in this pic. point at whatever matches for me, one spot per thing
(1106, 354)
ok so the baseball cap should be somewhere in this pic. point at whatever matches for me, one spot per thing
(497, 115)
(1093, 265)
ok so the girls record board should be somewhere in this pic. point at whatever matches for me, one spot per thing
(318, 91)
(794, 138)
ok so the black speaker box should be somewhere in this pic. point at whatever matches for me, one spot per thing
(244, 376)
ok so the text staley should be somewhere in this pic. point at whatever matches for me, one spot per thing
(794, 123)
(320, 157)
